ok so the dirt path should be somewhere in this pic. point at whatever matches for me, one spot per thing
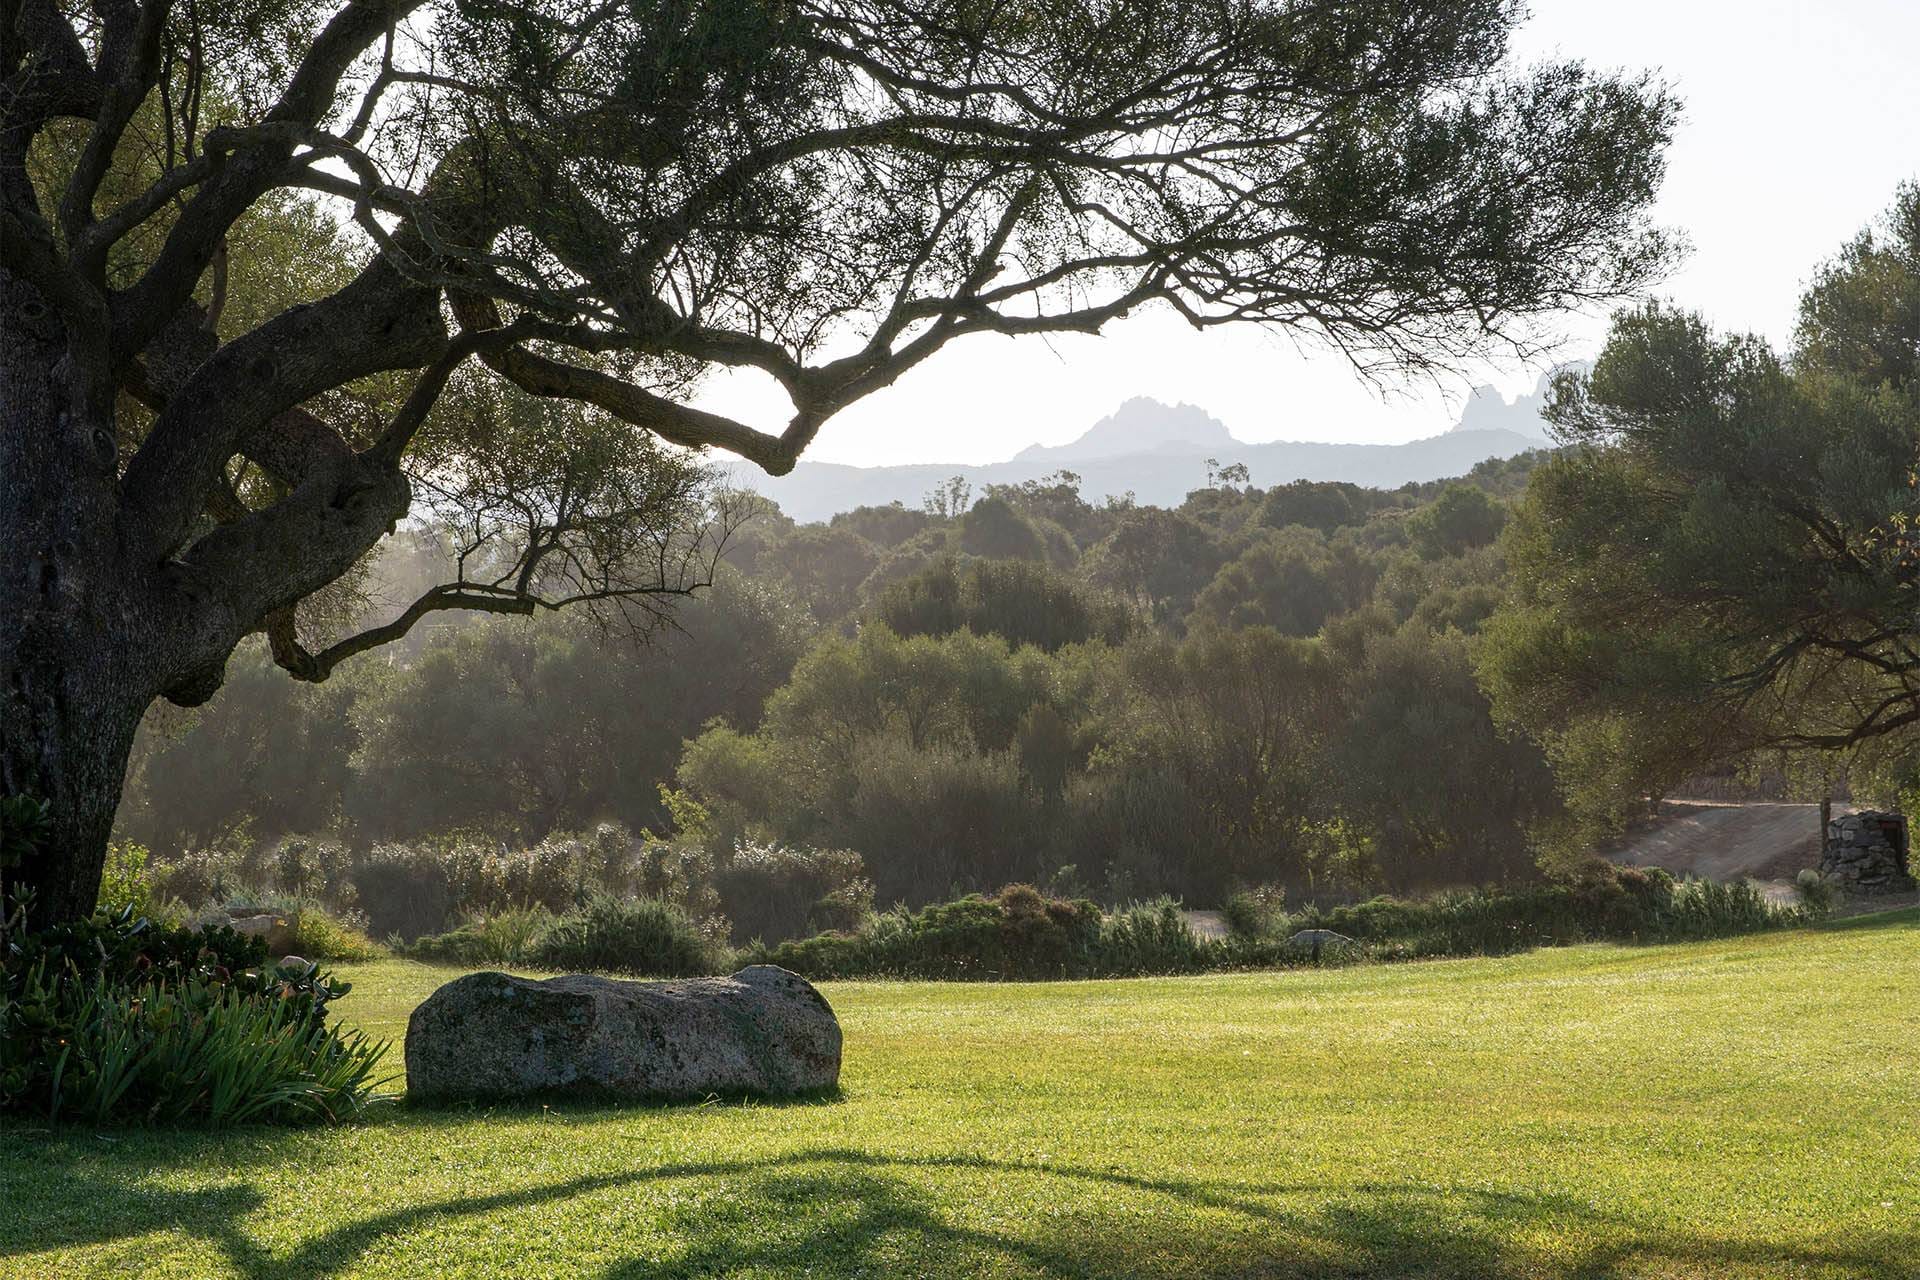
(1723, 841)
(1720, 840)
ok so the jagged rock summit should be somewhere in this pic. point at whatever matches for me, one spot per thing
(1487, 410)
(1141, 425)
(1156, 453)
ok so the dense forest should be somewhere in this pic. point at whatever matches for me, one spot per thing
(1316, 690)
(1257, 688)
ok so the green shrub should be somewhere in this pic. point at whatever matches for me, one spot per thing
(1254, 913)
(844, 909)
(114, 1018)
(319, 934)
(1020, 933)
(643, 936)
(1043, 937)
(958, 939)
(511, 936)
(126, 880)
(824, 956)
(776, 892)
(1479, 922)
(463, 946)
(1152, 938)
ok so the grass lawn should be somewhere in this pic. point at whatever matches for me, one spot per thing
(1747, 1108)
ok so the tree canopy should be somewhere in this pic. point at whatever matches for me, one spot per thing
(596, 203)
(1726, 561)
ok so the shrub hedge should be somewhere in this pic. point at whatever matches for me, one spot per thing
(1617, 904)
(1023, 934)
(1019, 934)
(506, 937)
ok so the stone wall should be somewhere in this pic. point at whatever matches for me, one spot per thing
(1866, 852)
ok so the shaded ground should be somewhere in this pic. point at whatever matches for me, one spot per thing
(1738, 1109)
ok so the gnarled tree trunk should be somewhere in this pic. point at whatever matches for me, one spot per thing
(87, 639)
(71, 639)
(65, 732)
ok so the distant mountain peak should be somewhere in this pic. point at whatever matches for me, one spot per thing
(1487, 410)
(1141, 425)
(1153, 452)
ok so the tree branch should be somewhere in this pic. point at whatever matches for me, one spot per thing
(297, 661)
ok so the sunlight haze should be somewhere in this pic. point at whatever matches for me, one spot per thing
(1762, 181)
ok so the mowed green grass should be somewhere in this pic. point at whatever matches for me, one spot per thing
(1747, 1108)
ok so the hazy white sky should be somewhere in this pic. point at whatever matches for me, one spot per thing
(1800, 120)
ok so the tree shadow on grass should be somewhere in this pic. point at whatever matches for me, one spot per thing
(839, 1212)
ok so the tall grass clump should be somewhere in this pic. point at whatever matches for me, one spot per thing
(1151, 938)
(1697, 910)
(511, 936)
(642, 936)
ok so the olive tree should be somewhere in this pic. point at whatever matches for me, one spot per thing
(599, 202)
